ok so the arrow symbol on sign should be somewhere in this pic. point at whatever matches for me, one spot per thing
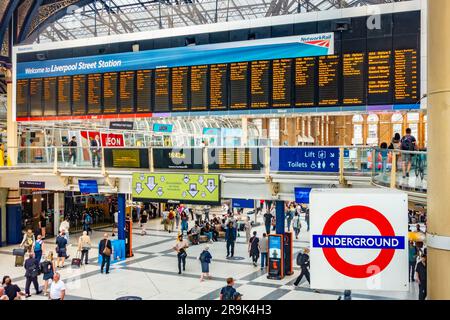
(201, 180)
(151, 183)
(331, 155)
(211, 186)
(193, 189)
(186, 179)
(139, 188)
(332, 165)
(160, 192)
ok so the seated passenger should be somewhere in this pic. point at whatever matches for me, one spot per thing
(194, 234)
(207, 231)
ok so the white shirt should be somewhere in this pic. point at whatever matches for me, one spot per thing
(64, 226)
(56, 288)
(116, 217)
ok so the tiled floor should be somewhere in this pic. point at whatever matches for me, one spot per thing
(152, 273)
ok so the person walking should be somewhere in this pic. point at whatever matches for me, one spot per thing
(230, 237)
(206, 210)
(296, 224)
(303, 262)
(180, 247)
(96, 151)
(289, 216)
(72, 151)
(178, 216)
(253, 248)
(64, 227)
(143, 222)
(31, 274)
(184, 221)
(421, 276)
(229, 292)
(171, 219)
(205, 259)
(43, 224)
(263, 248)
(38, 248)
(267, 221)
(412, 254)
(61, 249)
(105, 250)
(248, 229)
(57, 288)
(87, 221)
(307, 217)
(84, 245)
(48, 268)
(116, 222)
(408, 143)
(28, 241)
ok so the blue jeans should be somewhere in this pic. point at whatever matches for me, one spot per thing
(38, 255)
(184, 226)
(209, 235)
(263, 259)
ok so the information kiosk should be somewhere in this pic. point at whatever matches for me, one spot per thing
(275, 257)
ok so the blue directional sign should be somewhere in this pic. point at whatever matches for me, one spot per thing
(302, 195)
(304, 159)
(88, 186)
(243, 203)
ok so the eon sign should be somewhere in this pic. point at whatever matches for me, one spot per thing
(359, 239)
(112, 140)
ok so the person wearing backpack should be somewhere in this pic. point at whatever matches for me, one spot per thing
(303, 262)
(171, 217)
(228, 292)
(48, 269)
(205, 259)
(38, 248)
(31, 274)
(408, 143)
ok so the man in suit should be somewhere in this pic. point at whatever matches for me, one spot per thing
(96, 150)
(105, 244)
(230, 237)
(31, 274)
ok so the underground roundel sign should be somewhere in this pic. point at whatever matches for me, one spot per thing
(359, 239)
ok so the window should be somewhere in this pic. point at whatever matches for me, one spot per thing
(274, 130)
(357, 134)
(397, 128)
(258, 125)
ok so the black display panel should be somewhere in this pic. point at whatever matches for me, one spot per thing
(179, 87)
(238, 85)
(64, 94)
(22, 97)
(126, 158)
(218, 74)
(126, 92)
(178, 158)
(110, 81)
(94, 93)
(144, 90)
(49, 96)
(406, 76)
(235, 158)
(79, 94)
(328, 80)
(305, 82)
(353, 79)
(281, 83)
(379, 82)
(199, 87)
(162, 77)
(259, 84)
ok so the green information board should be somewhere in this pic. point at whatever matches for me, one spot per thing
(185, 188)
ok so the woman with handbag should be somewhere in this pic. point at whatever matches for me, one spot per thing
(48, 268)
(205, 259)
(28, 241)
(180, 247)
(84, 245)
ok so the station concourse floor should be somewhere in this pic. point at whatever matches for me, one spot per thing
(152, 273)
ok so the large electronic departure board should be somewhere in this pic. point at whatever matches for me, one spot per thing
(259, 84)
(353, 77)
(218, 74)
(22, 97)
(238, 85)
(162, 80)
(144, 91)
(180, 89)
(64, 87)
(79, 95)
(94, 93)
(281, 83)
(328, 82)
(379, 83)
(235, 159)
(305, 82)
(126, 92)
(406, 76)
(199, 87)
(49, 96)
(110, 81)
(36, 97)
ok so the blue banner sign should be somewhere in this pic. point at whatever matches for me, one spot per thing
(162, 127)
(88, 186)
(297, 159)
(360, 242)
(243, 203)
(32, 184)
(302, 195)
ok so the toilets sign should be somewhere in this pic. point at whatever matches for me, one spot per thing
(304, 159)
(358, 239)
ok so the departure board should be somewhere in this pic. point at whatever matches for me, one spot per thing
(235, 159)
(126, 92)
(110, 92)
(143, 90)
(259, 84)
(36, 97)
(199, 87)
(79, 94)
(162, 90)
(64, 85)
(180, 89)
(281, 83)
(406, 76)
(328, 80)
(49, 96)
(94, 93)
(353, 77)
(218, 86)
(238, 85)
(305, 82)
(379, 84)
(22, 97)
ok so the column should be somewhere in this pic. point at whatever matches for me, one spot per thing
(280, 217)
(13, 217)
(291, 132)
(11, 124)
(3, 199)
(121, 201)
(438, 149)
(58, 206)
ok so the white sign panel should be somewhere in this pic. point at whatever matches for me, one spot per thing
(359, 239)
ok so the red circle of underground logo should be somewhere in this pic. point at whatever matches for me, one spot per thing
(358, 212)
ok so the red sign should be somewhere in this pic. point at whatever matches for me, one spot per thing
(106, 139)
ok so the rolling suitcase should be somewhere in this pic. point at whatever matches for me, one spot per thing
(19, 252)
(19, 261)
(76, 262)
